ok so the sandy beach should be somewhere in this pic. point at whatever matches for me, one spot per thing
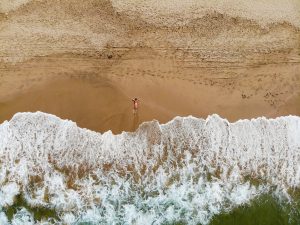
(96, 92)
(71, 65)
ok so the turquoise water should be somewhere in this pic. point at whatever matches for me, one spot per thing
(38, 213)
(264, 210)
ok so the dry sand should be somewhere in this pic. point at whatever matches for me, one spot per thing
(86, 61)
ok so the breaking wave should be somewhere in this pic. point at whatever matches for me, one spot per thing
(187, 170)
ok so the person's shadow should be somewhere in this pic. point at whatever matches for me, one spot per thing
(135, 121)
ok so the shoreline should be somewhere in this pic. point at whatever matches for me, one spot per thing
(96, 92)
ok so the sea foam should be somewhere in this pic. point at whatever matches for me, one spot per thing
(188, 169)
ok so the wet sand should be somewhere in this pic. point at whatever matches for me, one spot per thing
(96, 92)
(84, 61)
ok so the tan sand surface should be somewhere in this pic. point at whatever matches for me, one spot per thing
(96, 92)
(85, 60)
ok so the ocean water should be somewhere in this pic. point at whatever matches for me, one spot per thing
(187, 171)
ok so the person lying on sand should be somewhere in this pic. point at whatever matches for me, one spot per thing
(135, 105)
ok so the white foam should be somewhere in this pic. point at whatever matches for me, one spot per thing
(69, 218)
(3, 219)
(22, 217)
(7, 194)
(187, 168)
